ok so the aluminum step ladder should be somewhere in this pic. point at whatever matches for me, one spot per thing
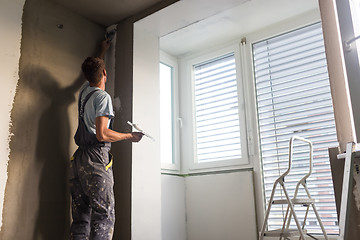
(285, 232)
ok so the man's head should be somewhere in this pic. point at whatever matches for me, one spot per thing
(93, 69)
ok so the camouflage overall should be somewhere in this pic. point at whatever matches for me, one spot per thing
(91, 185)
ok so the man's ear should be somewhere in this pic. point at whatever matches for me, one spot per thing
(104, 72)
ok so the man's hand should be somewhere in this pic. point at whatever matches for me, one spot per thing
(136, 136)
(103, 48)
(104, 134)
(105, 45)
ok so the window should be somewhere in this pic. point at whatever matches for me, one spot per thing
(219, 119)
(168, 130)
(293, 98)
(355, 14)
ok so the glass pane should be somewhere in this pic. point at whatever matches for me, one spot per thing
(217, 113)
(355, 13)
(166, 129)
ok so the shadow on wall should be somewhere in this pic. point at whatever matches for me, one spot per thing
(41, 191)
(52, 155)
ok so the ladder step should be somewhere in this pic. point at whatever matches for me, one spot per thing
(300, 201)
(286, 233)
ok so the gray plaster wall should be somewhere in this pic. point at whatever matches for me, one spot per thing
(44, 119)
(122, 151)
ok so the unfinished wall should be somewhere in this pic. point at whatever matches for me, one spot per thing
(10, 22)
(122, 150)
(44, 120)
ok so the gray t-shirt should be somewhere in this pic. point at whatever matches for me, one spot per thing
(99, 104)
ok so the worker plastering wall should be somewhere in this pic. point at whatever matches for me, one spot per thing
(54, 43)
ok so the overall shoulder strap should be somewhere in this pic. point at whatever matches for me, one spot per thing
(81, 106)
(79, 101)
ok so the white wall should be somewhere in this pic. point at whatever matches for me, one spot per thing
(209, 207)
(10, 26)
(173, 208)
(146, 179)
(221, 206)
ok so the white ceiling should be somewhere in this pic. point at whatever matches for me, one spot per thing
(245, 16)
(232, 24)
(107, 12)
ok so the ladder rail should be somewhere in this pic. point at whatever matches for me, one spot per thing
(316, 213)
(289, 214)
(283, 227)
(302, 181)
(290, 204)
(280, 180)
(306, 214)
(268, 209)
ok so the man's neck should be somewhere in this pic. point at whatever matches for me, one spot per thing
(100, 85)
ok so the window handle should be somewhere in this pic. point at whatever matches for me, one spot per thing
(349, 42)
(180, 122)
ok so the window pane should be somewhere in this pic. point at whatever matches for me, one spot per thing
(166, 129)
(217, 114)
(355, 14)
(293, 98)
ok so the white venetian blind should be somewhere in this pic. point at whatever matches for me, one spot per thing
(216, 108)
(293, 98)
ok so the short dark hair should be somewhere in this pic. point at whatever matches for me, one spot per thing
(93, 68)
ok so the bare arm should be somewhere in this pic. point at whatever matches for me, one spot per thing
(103, 49)
(103, 134)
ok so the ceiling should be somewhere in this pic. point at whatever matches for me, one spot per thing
(107, 12)
(245, 16)
(233, 23)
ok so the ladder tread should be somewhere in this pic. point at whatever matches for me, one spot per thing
(301, 201)
(283, 233)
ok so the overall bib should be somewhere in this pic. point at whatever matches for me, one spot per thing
(91, 184)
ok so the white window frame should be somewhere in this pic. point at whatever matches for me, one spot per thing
(193, 164)
(171, 61)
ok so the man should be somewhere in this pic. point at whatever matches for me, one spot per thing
(91, 177)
